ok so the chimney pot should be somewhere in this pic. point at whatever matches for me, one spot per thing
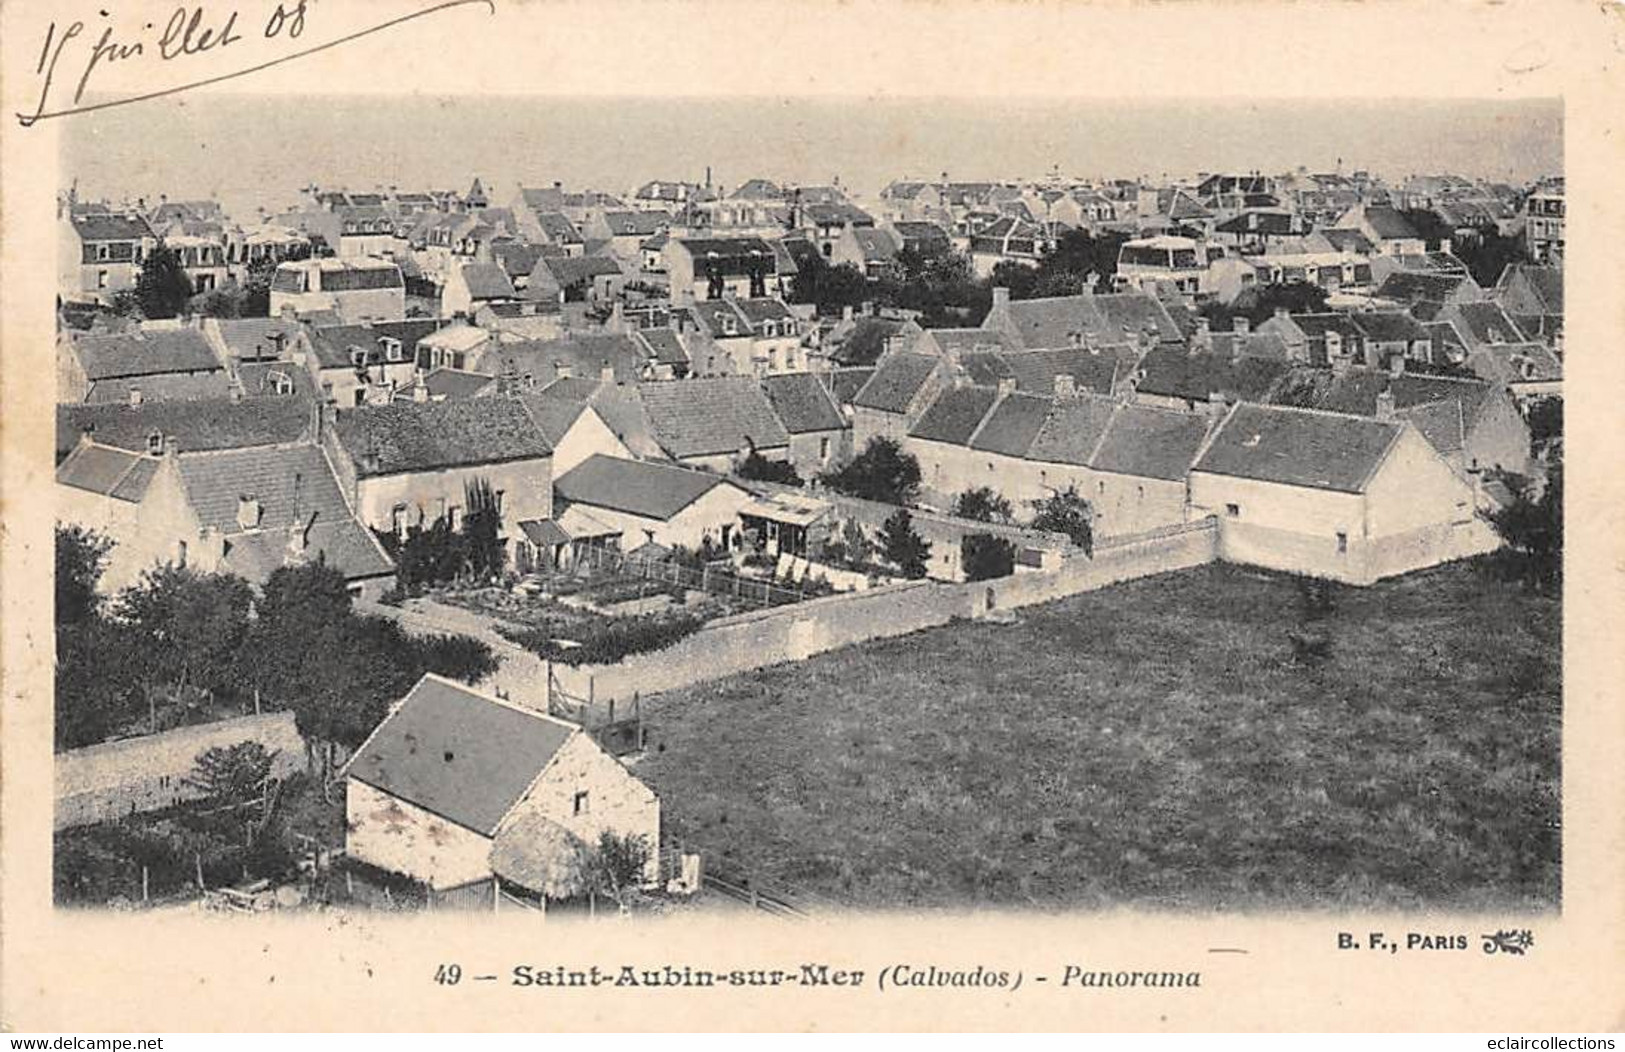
(1001, 295)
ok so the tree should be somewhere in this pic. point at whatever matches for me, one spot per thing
(81, 555)
(1487, 252)
(882, 472)
(985, 556)
(760, 469)
(1429, 225)
(1532, 527)
(232, 775)
(483, 551)
(97, 686)
(1067, 512)
(983, 505)
(1545, 419)
(162, 288)
(615, 865)
(1259, 303)
(904, 548)
(830, 288)
(191, 626)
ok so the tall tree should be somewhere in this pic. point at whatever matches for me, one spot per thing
(984, 556)
(1532, 527)
(483, 552)
(81, 555)
(904, 547)
(882, 472)
(162, 287)
(983, 505)
(1067, 512)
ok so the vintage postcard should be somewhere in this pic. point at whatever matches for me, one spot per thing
(893, 516)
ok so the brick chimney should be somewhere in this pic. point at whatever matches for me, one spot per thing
(1066, 386)
(1007, 386)
(606, 372)
(135, 397)
(1202, 339)
(563, 370)
(1001, 295)
(1385, 405)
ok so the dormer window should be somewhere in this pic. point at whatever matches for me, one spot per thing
(358, 357)
(392, 348)
(730, 325)
(155, 444)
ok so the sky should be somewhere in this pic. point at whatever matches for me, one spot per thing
(252, 151)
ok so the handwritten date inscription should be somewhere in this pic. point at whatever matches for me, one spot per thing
(71, 53)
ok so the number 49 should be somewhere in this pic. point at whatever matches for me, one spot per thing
(448, 974)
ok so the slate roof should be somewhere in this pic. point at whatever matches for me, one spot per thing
(876, 245)
(1505, 363)
(345, 545)
(1073, 430)
(488, 281)
(867, 340)
(1112, 317)
(1348, 241)
(845, 383)
(256, 338)
(557, 226)
(455, 383)
(163, 387)
(554, 416)
(1013, 424)
(110, 472)
(1486, 322)
(217, 423)
(583, 356)
(1410, 286)
(1299, 447)
(955, 414)
(663, 345)
(104, 227)
(719, 414)
(215, 480)
(960, 341)
(1150, 442)
(427, 436)
(1546, 283)
(1174, 372)
(1389, 326)
(802, 403)
(636, 224)
(572, 270)
(145, 352)
(331, 343)
(518, 258)
(1441, 423)
(637, 487)
(459, 754)
(896, 382)
(1388, 224)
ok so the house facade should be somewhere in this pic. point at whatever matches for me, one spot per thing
(455, 785)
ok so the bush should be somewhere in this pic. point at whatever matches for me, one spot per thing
(985, 557)
(609, 641)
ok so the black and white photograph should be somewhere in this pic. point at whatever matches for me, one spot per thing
(593, 513)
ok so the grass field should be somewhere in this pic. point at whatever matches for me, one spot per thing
(1152, 744)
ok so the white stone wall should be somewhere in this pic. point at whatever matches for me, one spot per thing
(387, 832)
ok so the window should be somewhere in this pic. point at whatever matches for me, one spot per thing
(101, 252)
(1233, 510)
(397, 520)
(180, 554)
(1342, 543)
(155, 443)
(823, 449)
(582, 803)
(360, 396)
(456, 517)
(497, 500)
(101, 279)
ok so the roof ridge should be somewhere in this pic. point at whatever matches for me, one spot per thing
(1310, 411)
